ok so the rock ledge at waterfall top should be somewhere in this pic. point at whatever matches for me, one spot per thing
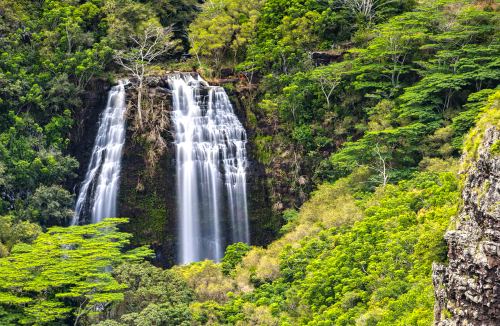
(468, 289)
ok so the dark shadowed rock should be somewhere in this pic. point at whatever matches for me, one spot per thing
(324, 58)
(163, 90)
(226, 72)
(133, 80)
(153, 81)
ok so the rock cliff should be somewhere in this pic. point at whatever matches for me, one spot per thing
(82, 136)
(148, 198)
(468, 289)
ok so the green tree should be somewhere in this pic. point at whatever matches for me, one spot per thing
(465, 120)
(385, 153)
(466, 57)
(367, 8)
(124, 18)
(65, 272)
(180, 12)
(56, 128)
(223, 27)
(381, 66)
(12, 233)
(27, 158)
(152, 296)
(234, 254)
(47, 206)
(329, 77)
(5, 178)
(150, 44)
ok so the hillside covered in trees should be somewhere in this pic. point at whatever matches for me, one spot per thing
(357, 114)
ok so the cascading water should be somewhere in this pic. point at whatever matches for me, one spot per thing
(97, 196)
(211, 157)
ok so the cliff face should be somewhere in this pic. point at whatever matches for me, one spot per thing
(82, 137)
(468, 289)
(149, 199)
(276, 165)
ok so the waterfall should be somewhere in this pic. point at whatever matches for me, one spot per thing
(97, 196)
(211, 177)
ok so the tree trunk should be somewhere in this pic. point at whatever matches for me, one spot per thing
(139, 104)
(80, 313)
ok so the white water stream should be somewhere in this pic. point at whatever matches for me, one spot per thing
(97, 196)
(211, 177)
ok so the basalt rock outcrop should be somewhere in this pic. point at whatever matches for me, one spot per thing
(467, 290)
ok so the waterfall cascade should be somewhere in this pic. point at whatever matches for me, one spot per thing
(97, 196)
(211, 177)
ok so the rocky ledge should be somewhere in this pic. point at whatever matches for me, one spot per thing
(468, 289)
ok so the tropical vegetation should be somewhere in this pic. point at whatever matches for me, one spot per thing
(369, 105)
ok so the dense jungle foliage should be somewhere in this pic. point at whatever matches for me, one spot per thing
(372, 137)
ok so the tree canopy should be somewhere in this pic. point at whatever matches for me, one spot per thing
(65, 272)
